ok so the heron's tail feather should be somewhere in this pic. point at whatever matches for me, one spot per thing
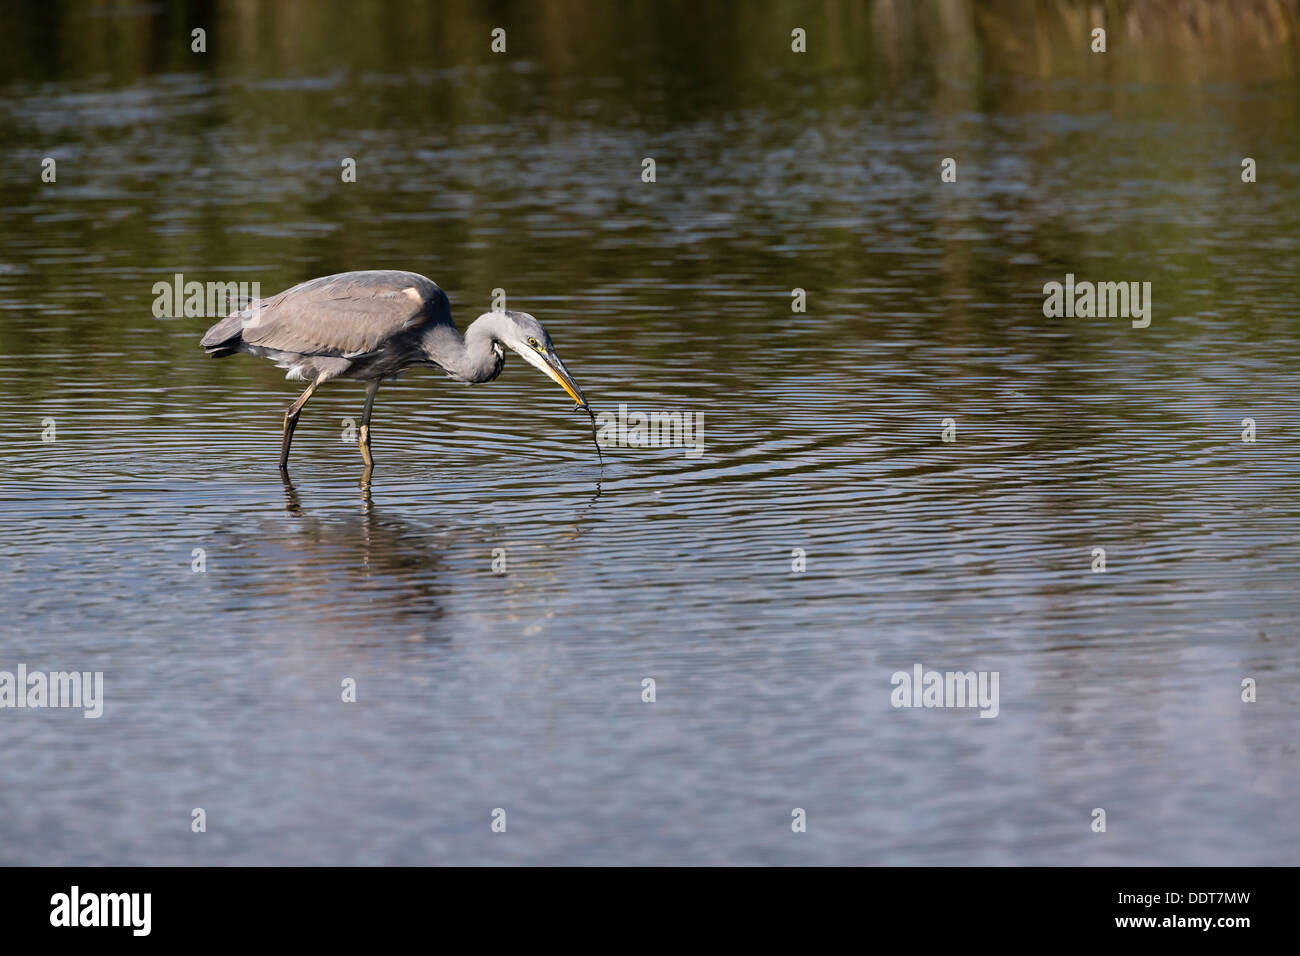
(224, 338)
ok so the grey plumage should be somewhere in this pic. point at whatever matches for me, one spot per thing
(373, 325)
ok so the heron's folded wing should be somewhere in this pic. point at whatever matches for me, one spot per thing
(345, 319)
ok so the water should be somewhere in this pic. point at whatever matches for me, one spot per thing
(823, 432)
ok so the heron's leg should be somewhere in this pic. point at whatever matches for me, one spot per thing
(363, 440)
(291, 422)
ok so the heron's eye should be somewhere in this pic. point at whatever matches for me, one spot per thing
(532, 342)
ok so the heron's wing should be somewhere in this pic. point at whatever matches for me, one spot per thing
(346, 315)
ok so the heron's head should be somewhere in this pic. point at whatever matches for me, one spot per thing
(523, 333)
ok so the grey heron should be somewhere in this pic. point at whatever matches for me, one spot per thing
(370, 326)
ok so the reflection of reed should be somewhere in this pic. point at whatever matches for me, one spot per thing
(1154, 39)
(901, 37)
(908, 78)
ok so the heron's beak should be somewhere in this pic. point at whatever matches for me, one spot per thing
(554, 368)
(550, 363)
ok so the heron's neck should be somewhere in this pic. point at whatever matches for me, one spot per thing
(469, 358)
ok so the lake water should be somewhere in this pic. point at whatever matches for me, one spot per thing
(823, 433)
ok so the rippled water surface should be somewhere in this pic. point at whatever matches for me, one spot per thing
(823, 433)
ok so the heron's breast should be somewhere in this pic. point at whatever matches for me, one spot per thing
(382, 365)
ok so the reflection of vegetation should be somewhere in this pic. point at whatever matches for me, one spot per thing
(737, 39)
(224, 165)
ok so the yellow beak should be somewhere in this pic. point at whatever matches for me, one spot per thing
(556, 370)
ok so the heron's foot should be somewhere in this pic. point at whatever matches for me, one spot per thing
(363, 443)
